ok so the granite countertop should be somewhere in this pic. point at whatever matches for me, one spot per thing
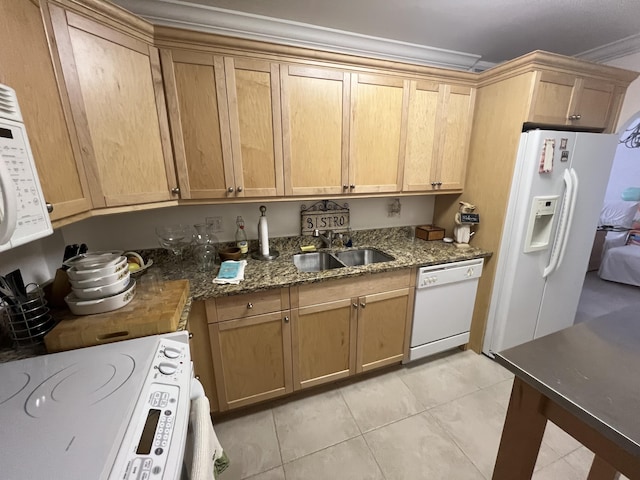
(407, 250)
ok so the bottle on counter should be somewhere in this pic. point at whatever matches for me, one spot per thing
(241, 236)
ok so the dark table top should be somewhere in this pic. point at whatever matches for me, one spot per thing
(592, 369)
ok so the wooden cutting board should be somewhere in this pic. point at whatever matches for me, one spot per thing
(149, 313)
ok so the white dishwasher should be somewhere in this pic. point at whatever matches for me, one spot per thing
(444, 301)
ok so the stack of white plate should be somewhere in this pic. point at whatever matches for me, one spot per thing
(100, 282)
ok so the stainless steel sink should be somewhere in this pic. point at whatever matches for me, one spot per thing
(316, 262)
(363, 256)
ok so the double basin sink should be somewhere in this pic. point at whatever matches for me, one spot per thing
(319, 261)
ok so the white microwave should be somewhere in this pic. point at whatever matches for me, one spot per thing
(23, 210)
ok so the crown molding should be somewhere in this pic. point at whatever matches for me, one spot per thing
(613, 50)
(180, 14)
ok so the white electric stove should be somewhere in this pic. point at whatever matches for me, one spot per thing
(116, 411)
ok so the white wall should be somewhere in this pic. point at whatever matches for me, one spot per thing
(631, 103)
(135, 230)
(625, 171)
(39, 260)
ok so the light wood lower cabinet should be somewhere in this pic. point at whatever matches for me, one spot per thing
(252, 358)
(324, 343)
(382, 320)
(262, 349)
(200, 347)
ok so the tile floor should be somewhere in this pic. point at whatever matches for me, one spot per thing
(435, 419)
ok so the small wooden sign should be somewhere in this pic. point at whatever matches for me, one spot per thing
(324, 215)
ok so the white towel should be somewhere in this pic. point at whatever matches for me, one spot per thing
(203, 447)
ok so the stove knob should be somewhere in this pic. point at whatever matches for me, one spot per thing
(171, 352)
(167, 368)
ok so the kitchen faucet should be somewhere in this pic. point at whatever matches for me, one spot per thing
(327, 238)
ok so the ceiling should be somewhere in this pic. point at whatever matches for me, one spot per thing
(494, 30)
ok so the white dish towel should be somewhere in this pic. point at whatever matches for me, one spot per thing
(203, 447)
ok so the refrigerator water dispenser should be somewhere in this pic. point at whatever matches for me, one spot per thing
(540, 223)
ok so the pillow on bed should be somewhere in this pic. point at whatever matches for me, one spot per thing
(618, 214)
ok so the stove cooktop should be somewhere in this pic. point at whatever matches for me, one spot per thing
(70, 409)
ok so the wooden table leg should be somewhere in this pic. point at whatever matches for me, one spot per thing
(522, 433)
(602, 470)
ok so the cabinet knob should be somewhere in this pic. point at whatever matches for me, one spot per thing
(49, 207)
(249, 306)
(230, 189)
(190, 335)
(355, 305)
(352, 186)
(175, 190)
(286, 319)
(575, 117)
(433, 184)
(345, 187)
(240, 188)
(439, 184)
(363, 305)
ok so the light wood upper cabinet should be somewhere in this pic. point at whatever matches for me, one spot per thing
(438, 131)
(226, 124)
(315, 129)
(253, 89)
(115, 87)
(26, 65)
(197, 99)
(378, 133)
(565, 99)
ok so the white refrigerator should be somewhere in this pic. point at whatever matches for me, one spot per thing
(556, 197)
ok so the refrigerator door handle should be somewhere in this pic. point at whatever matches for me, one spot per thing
(574, 201)
(562, 227)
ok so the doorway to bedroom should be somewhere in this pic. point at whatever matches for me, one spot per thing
(613, 280)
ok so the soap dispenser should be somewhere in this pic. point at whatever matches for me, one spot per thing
(264, 253)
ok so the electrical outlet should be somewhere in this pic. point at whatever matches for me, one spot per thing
(216, 223)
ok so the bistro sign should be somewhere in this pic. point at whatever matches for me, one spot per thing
(324, 215)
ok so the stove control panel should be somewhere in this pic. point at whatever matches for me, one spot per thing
(154, 443)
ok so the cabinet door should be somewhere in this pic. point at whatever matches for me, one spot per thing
(454, 122)
(315, 129)
(253, 89)
(26, 65)
(115, 86)
(593, 103)
(382, 322)
(552, 97)
(378, 133)
(324, 343)
(422, 137)
(200, 348)
(251, 359)
(197, 99)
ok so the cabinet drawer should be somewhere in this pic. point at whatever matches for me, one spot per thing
(332, 290)
(242, 306)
